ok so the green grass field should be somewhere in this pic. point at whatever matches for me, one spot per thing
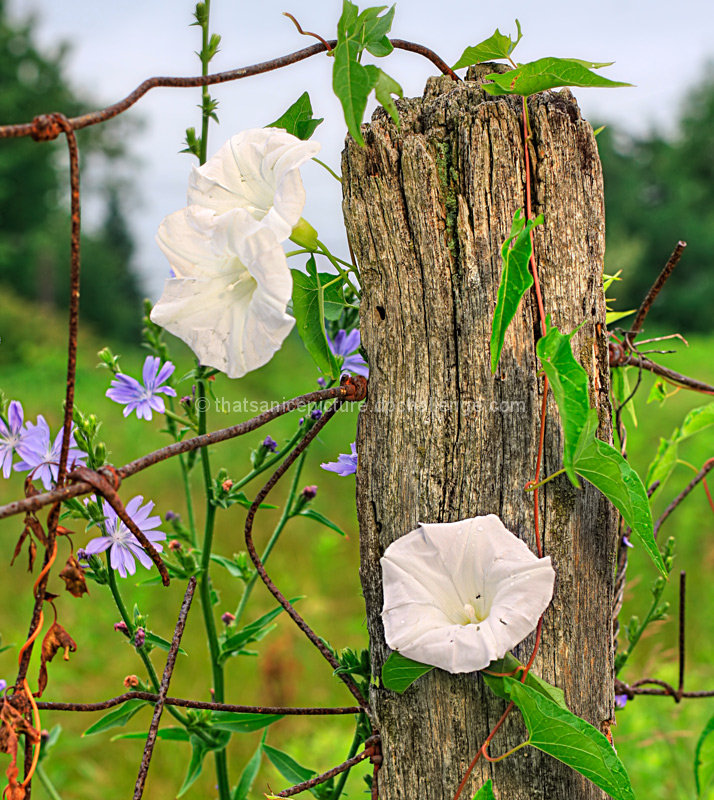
(654, 736)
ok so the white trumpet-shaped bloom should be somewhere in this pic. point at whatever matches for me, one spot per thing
(231, 288)
(258, 170)
(460, 595)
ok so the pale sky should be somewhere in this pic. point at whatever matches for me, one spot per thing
(658, 45)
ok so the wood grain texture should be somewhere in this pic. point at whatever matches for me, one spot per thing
(427, 209)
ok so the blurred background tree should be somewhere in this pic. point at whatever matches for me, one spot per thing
(34, 227)
(659, 188)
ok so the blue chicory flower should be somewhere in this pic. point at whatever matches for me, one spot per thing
(122, 544)
(3, 685)
(346, 345)
(143, 398)
(11, 435)
(270, 444)
(42, 455)
(621, 701)
(346, 464)
(315, 414)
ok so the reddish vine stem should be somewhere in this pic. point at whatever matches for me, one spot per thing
(164, 688)
(38, 501)
(368, 752)
(102, 115)
(539, 457)
(357, 386)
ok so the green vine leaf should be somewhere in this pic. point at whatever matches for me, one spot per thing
(516, 279)
(352, 82)
(604, 467)
(485, 792)
(704, 759)
(399, 672)
(549, 73)
(508, 664)
(569, 383)
(311, 513)
(170, 734)
(315, 297)
(572, 740)
(298, 119)
(496, 46)
(584, 454)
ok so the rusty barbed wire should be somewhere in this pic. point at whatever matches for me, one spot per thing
(164, 688)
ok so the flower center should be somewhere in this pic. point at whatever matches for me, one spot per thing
(474, 613)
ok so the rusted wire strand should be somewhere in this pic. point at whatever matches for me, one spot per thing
(39, 128)
(369, 750)
(164, 688)
(655, 289)
(357, 387)
(152, 697)
(38, 501)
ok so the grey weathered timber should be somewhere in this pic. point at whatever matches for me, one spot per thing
(427, 209)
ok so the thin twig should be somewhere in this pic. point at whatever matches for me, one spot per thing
(698, 478)
(164, 688)
(632, 359)
(655, 289)
(368, 751)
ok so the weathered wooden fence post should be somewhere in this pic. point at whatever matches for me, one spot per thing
(427, 209)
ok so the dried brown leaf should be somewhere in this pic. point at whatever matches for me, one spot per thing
(56, 639)
(73, 576)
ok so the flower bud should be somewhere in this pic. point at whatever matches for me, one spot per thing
(139, 638)
(131, 681)
(121, 627)
(227, 618)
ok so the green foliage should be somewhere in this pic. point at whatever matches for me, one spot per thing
(485, 792)
(516, 279)
(704, 759)
(116, 718)
(548, 73)
(249, 774)
(317, 296)
(240, 722)
(311, 513)
(563, 735)
(293, 772)
(298, 118)
(496, 46)
(352, 81)
(584, 454)
(667, 456)
(233, 642)
(569, 383)
(34, 225)
(659, 188)
(509, 663)
(399, 672)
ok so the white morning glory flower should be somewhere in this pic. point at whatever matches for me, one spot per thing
(258, 170)
(460, 595)
(229, 297)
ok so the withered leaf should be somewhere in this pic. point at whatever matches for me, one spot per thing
(31, 553)
(14, 724)
(73, 576)
(55, 639)
(36, 527)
